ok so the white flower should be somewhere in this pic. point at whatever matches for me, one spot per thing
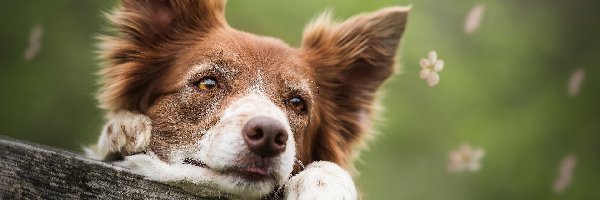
(431, 66)
(465, 159)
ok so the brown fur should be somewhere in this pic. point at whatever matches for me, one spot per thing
(148, 31)
(158, 42)
(352, 59)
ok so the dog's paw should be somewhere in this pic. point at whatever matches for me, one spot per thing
(321, 180)
(125, 133)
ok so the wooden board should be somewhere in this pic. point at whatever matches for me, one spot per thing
(29, 171)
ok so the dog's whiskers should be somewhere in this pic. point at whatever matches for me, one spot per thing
(276, 195)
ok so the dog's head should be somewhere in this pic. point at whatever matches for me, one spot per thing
(245, 107)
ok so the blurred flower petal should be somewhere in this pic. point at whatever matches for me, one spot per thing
(439, 66)
(432, 57)
(424, 63)
(473, 166)
(575, 82)
(424, 73)
(478, 153)
(567, 165)
(473, 19)
(433, 79)
(35, 37)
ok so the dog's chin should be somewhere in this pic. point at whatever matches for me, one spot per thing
(199, 178)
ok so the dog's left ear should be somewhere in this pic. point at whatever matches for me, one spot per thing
(351, 60)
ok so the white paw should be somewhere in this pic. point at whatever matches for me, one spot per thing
(125, 132)
(321, 180)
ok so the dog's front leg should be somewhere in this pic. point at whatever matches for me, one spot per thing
(125, 133)
(321, 180)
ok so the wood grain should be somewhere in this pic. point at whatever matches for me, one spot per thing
(30, 171)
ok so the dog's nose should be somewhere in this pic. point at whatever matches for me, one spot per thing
(265, 136)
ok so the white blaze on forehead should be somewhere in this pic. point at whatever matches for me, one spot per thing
(258, 86)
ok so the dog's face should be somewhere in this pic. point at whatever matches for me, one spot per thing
(235, 104)
(244, 108)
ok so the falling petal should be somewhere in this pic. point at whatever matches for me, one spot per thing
(575, 82)
(424, 63)
(567, 165)
(424, 73)
(473, 19)
(35, 37)
(433, 79)
(433, 57)
(439, 66)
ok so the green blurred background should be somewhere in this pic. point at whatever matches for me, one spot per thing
(503, 89)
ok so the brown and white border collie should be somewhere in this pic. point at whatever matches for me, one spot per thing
(194, 102)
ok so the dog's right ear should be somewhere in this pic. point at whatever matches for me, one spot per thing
(146, 38)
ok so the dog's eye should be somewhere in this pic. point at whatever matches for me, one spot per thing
(206, 84)
(297, 104)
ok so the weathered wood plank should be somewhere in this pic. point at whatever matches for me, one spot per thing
(29, 171)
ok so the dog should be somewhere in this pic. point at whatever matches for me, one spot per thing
(196, 103)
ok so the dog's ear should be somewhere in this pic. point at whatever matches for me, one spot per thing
(351, 60)
(147, 34)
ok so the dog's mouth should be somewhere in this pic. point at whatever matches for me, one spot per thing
(253, 172)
